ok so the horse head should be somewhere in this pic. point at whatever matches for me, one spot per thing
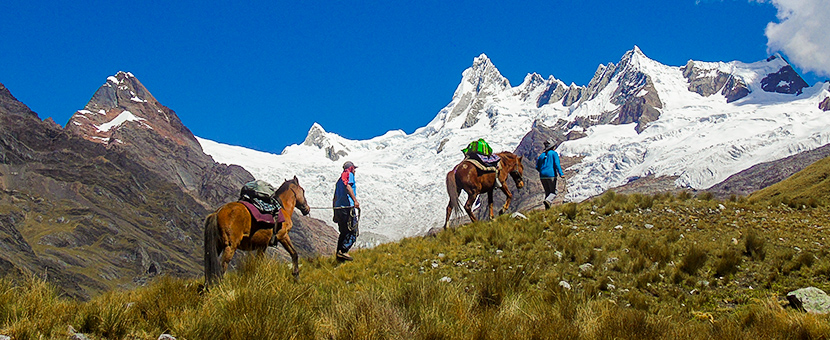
(298, 192)
(302, 204)
(513, 165)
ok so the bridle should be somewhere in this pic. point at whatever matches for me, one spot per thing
(305, 204)
(296, 199)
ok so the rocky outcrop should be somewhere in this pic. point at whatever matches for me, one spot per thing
(9, 105)
(825, 104)
(602, 76)
(530, 86)
(572, 95)
(707, 79)
(763, 175)
(810, 299)
(786, 80)
(735, 88)
(554, 92)
(702, 80)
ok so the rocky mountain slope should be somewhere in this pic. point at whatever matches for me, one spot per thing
(637, 124)
(116, 197)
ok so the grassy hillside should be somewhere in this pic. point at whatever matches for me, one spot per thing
(809, 187)
(629, 267)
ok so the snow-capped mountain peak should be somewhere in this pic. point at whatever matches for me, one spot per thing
(317, 137)
(697, 123)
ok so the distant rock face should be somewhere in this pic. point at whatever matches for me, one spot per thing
(477, 83)
(602, 76)
(707, 80)
(123, 115)
(786, 80)
(735, 88)
(554, 91)
(825, 104)
(634, 92)
(572, 95)
(9, 105)
(763, 175)
(703, 81)
(317, 137)
(637, 97)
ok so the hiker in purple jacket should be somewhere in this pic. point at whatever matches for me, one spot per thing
(549, 169)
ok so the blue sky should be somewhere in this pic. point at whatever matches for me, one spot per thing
(359, 68)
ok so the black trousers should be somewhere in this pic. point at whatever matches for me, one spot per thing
(347, 225)
(549, 184)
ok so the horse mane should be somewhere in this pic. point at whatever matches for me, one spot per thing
(508, 154)
(285, 186)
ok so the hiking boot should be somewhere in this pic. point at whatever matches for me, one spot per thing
(343, 256)
(547, 205)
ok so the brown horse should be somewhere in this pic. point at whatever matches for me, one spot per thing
(466, 176)
(231, 228)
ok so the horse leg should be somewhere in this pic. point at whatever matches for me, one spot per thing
(507, 200)
(282, 236)
(227, 255)
(468, 207)
(490, 204)
(449, 213)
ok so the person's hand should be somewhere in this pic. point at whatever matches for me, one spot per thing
(357, 204)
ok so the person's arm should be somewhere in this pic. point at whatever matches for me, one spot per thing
(351, 194)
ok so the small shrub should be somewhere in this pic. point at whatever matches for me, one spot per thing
(637, 300)
(800, 202)
(684, 195)
(644, 201)
(608, 197)
(694, 260)
(802, 260)
(569, 209)
(754, 246)
(728, 263)
(705, 196)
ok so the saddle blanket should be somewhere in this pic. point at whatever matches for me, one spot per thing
(486, 163)
(263, 218)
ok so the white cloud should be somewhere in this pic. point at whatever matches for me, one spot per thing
(802, 33)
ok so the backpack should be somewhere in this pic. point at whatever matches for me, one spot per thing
(259, 193)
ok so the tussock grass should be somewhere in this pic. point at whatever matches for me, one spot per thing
(618, 266)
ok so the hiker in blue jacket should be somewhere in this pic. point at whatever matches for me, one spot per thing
(346, 211)
(549, 169)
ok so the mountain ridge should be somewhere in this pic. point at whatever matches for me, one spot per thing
(636, 119)
(111, 202)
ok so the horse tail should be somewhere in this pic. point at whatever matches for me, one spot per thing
(212, 270)
(452, 190)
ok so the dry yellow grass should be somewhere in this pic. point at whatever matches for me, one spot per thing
(624, 267)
